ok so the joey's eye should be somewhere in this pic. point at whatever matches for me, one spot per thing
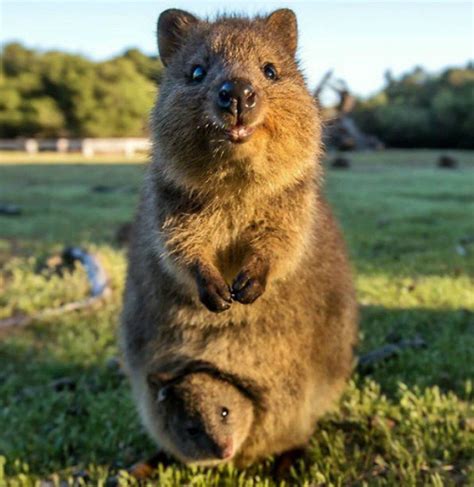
(270, 71)
(224, 413)
(198, 73)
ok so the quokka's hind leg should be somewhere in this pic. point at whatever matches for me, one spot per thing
(144, 469)
(286, 460)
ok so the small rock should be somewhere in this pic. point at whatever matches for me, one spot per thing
(447, 162)
(341, 163)
(10, 210)
(102, 188)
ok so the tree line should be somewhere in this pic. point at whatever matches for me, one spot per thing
(54, 94)
(422, 110)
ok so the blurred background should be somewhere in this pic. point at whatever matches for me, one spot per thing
(402, 72)
(395, 82)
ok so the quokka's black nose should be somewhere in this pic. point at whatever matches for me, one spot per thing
(237, 96)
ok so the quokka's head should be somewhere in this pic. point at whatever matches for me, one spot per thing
(199, 418)
(233, 103)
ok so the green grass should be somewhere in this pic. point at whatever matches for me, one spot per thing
(410, 231)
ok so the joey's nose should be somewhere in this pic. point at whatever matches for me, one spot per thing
(237, 96)
(226, 450)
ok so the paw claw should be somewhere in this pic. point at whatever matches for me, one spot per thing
(249, 293)
(246, 288)
(240, 282)
(214, 292)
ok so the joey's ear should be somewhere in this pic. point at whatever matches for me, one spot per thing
(173, 27)
(174, 370)
(283, 24)
(159, 379)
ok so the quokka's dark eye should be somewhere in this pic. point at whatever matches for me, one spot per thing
(224, 412)
(270, 71)
(198, 73)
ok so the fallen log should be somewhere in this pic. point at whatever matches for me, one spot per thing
(366, 363)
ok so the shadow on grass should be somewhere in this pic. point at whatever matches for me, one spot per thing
(57, 412)
(448, 359)
(61, 404)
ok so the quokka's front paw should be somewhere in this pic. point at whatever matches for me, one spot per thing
(250, 282)
(214, 292)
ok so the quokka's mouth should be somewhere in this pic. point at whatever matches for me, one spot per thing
(239, 133)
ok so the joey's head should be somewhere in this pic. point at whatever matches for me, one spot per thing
(200, 419)
(233, 103)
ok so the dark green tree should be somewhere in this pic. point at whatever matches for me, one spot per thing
(58, 94)
(422, 110)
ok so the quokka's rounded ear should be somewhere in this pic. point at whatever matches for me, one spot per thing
(158, 379)
(282, 23)
(173, 27)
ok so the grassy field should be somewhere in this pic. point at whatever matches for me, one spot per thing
(66, 411)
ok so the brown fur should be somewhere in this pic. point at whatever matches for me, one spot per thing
(225, 224)
(202, 417)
